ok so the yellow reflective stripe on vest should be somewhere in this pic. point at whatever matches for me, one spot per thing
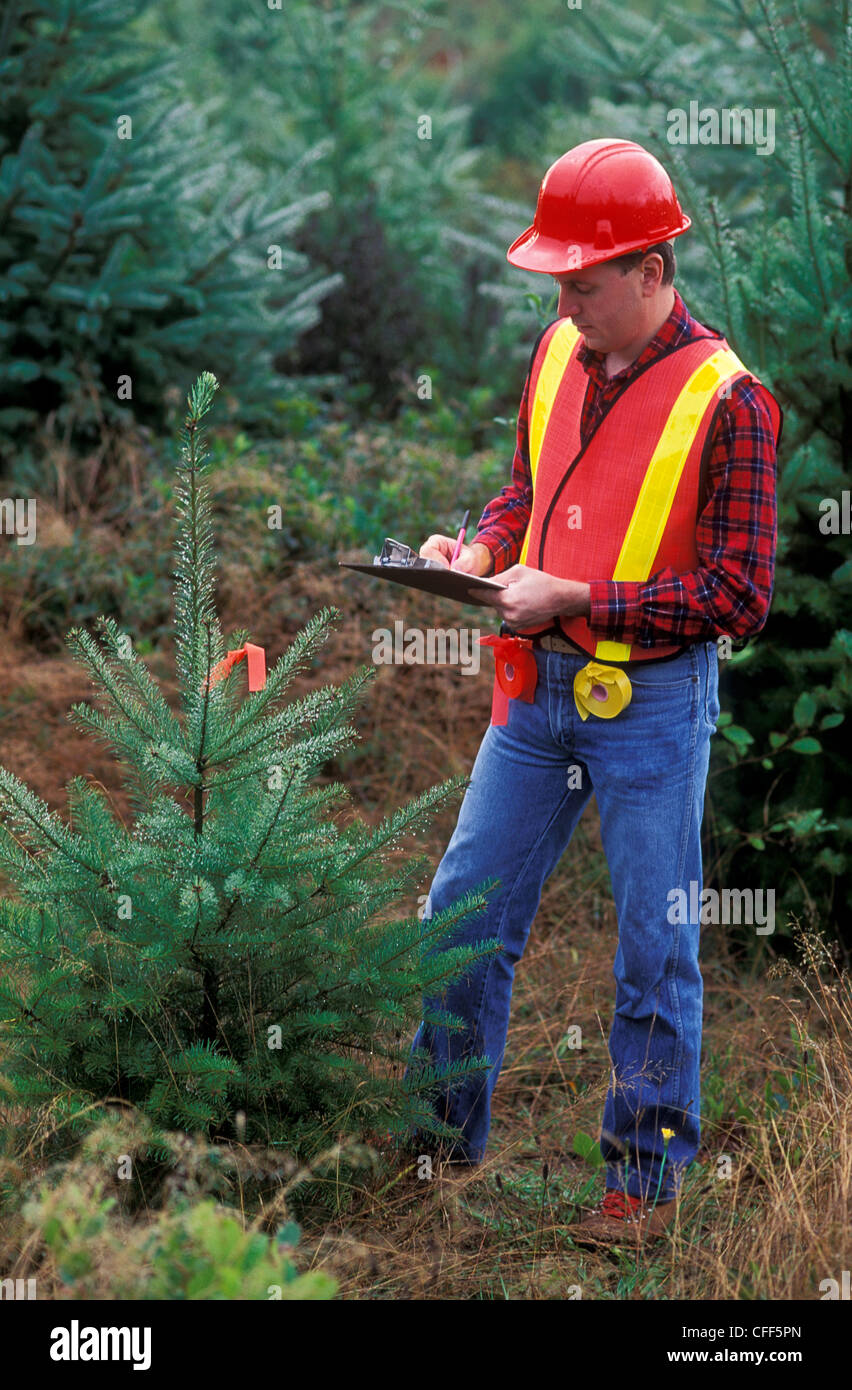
(552, 370)
(659, 486)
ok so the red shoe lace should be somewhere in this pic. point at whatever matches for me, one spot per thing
(620, 1205)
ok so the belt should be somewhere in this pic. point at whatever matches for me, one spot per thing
(550, 642)
(553, 641)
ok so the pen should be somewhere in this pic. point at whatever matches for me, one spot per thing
(465, 520)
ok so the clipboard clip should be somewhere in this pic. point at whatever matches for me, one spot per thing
(395, 553)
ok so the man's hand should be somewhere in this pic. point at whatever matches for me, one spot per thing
(533, 597)
(473, 559)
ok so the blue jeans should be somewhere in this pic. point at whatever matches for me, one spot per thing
(647, 768)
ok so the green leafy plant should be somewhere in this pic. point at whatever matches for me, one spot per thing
(188, 1251)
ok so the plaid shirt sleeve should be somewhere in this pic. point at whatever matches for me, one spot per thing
(730, 591)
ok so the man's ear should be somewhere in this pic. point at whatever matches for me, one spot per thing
(652, 273)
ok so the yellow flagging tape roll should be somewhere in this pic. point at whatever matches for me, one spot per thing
(601, 690)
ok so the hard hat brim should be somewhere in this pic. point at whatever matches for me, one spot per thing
(547, 255)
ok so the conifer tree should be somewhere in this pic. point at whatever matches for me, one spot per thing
(229, 962)
(134, 236)
(406, 226)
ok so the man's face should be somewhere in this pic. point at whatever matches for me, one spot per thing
(605, 305)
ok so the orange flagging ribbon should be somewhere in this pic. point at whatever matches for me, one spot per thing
(255, 660)
(515, 673)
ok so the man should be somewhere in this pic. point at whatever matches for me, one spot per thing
(639, 527)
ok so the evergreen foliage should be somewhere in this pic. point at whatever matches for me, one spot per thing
(399, 172)
(228, 963)
(360, 84)
(126, 250)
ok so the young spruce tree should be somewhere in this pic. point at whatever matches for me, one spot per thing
(227, 963)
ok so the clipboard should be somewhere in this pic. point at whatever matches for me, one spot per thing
(437, 579)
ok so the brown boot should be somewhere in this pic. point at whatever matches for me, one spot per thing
(623, 1220)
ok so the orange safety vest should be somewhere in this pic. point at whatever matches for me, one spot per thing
(626, 504)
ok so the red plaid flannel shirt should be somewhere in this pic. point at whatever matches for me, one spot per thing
(736, 532)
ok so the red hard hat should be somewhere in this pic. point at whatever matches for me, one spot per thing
(598, 201)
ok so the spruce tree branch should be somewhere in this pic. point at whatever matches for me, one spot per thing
(29, 303)
(253, 862)
(808, 212)
(243, 236)
(200, 760)
(153, 1036)
(87, 651)
(136, 675)
(723, 274)
(26, 862)
(291, 661)
(194, 565)
(443, 922)
(402, 820)
(355, 919)
(26, 1012)
(312, 706)
(308, 59)
(128, 1004)
(19, 795)
(782, 53)
(65, 251)
(265, 735)
(479, 950)
(10, 18)
(603, 38)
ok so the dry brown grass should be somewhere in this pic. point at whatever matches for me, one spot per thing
(773, 1228)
